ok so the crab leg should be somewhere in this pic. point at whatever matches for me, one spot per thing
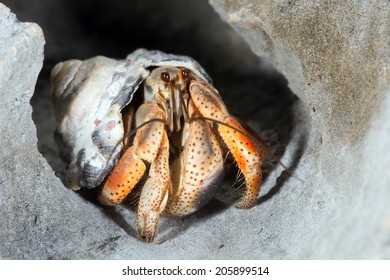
(131, 167)
(154, 194)
(200, 169)
(246, 152)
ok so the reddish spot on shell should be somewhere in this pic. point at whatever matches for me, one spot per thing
(128, 62)
(110, 125)
(97, 122)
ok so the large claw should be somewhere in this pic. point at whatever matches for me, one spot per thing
(241, 142)
(200, 169)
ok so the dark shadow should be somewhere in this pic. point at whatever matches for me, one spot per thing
(119, 219)
(113, 213)
(286, 174)
(172, 227)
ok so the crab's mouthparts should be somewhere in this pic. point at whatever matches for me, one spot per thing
(177, 108)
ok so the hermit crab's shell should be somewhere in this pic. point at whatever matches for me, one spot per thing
(88, 97)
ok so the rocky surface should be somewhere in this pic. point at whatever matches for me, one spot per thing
(39, 218)
(336, 58)
(331, 203)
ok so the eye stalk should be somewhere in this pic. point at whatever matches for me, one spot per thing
(165, 77)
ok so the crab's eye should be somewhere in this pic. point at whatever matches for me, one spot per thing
(184, 74)
(165, 77)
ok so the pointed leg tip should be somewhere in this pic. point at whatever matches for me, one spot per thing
(245, 203)
(148, 238)
(147, 226)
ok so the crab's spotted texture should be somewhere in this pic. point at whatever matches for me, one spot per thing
(181, 132)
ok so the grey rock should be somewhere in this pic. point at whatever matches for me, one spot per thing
(39, 218)
(336, 58)
(331, 203)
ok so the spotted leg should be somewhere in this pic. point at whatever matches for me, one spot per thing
(150, 145)
(154, 194)
(247, 152)
(198, 171)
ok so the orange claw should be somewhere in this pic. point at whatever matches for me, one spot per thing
(246, 151)
(200, 168)
(131, 166)
(123, 178)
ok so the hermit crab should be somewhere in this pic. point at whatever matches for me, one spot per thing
(152, 118)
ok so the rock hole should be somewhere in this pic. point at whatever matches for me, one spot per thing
(250, 88)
